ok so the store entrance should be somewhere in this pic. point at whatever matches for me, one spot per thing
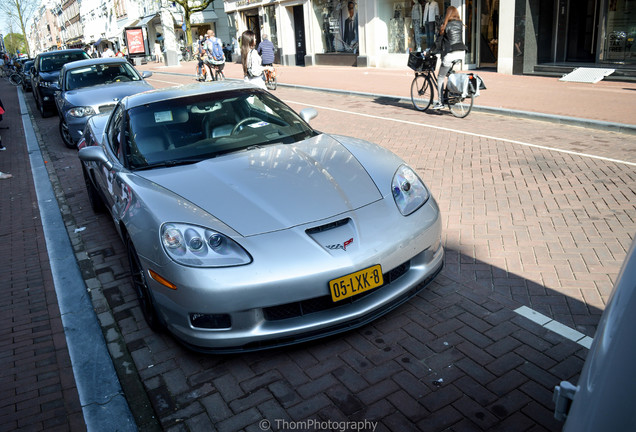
(253, 23)
(488, 33)
(582, 33)
(299, 35)
(482, 32)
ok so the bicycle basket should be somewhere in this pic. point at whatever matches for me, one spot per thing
(420, 63)
(415, 61)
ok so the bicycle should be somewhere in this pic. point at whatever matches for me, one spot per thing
(215, 71)
(425, 83)
(271, 82)
(12, 76)
(186, 54)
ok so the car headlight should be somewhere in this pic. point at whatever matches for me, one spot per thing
(409, 191)
(48, 84)
(83, 111)
(197, 246)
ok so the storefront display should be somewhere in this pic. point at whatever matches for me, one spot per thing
(339, 22)
(621, 32)
(269, 24)
(400, 29)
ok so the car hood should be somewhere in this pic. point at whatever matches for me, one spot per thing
(103, 93)
(275, 187)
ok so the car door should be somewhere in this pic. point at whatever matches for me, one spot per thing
(108, 180)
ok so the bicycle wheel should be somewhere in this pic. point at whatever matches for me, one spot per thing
(15, 79)
(421, 92)
(460, 107)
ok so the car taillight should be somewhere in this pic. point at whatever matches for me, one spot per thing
(81, 144)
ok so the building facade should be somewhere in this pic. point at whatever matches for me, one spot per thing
(99, 24)
(511, 36)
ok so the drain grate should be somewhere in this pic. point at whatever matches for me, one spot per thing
(587, 75)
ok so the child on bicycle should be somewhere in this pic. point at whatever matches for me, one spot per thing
(451, 46)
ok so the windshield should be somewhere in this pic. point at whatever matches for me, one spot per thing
(100, 74)
(192, 129)
(50, 63)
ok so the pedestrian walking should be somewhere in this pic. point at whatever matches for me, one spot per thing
(158, 52)
(252, 63)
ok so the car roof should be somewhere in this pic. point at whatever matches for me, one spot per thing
(93, 61)
(58, 52)
(187, 90)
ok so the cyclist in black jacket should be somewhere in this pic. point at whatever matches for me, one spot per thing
(451, 46)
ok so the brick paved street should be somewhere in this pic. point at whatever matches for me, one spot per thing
(522, 226)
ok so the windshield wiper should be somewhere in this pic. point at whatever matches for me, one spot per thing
(168, 164)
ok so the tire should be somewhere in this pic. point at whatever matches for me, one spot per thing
(43, 111)
(15, 79)
(66, 135)
(422, 92)
(460, 107)
(272, 83)
(140, 284)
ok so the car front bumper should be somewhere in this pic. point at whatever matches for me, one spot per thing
(283, 296)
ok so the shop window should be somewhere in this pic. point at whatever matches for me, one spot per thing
(621, 31)
(339, 22)
(400, 28)
(269, 25)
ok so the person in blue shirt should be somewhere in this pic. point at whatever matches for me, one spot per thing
(266, 50)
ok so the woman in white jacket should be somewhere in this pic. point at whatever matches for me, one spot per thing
(252, 64)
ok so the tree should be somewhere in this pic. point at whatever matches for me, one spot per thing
(15, 42)
(190, 7)
(20, 12)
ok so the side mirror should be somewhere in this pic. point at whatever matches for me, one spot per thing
(94, 154)
(146, 74)
(308, 113)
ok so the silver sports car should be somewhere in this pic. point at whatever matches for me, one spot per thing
(248, 229)
(89, 87)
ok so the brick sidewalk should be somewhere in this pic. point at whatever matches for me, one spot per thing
(37, 390)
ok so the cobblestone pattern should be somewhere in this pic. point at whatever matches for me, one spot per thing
(456, 356)
(37, 387)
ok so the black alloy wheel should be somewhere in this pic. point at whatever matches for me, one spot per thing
(66, 135)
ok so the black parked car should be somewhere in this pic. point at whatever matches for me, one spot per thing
(45, 75)
(26, 75)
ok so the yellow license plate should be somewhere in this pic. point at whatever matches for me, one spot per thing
(356, 283)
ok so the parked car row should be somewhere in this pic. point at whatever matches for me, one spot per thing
(76, 86)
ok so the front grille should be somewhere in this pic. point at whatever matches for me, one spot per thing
(318, 304)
